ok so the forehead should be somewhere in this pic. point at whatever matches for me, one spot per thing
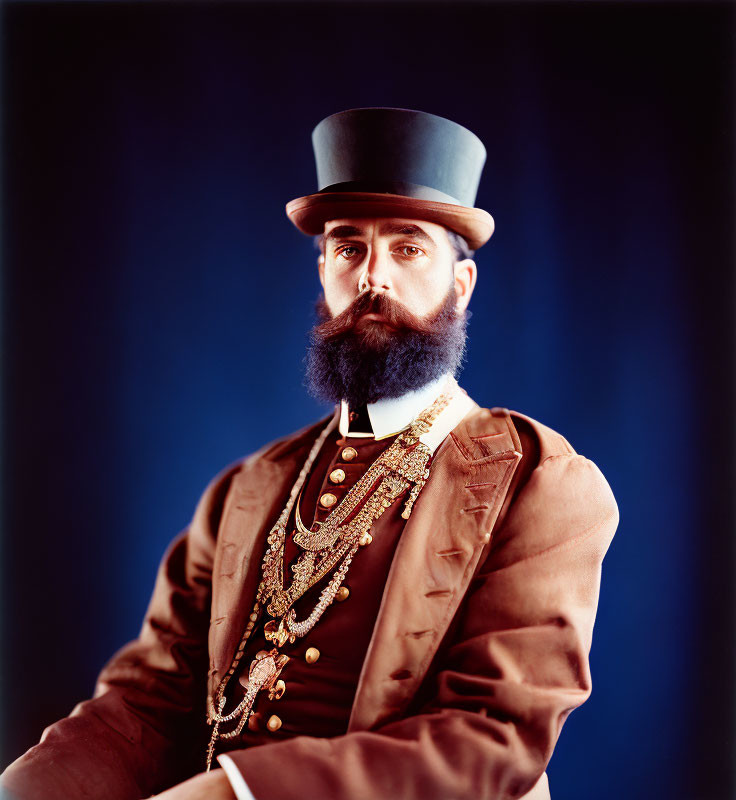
(354, 227)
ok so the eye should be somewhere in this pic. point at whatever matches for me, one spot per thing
(345, 251)
(411, 251)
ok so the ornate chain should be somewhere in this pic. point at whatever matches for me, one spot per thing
(402, 466)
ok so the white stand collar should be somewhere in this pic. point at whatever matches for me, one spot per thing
(392, 415)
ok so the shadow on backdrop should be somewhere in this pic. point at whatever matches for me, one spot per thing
(156, 301)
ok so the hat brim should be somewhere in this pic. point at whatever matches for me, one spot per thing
(310, 213)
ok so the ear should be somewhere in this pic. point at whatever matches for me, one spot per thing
(321, 269)
(466, 273)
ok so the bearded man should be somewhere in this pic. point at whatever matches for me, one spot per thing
(397, 601)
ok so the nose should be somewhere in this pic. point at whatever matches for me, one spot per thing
(376, 274)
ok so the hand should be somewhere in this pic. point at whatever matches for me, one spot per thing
(206, 786)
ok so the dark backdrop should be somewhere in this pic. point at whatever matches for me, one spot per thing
(156, 300)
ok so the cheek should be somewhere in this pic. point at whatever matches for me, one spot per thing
(420, 295)
(340, 290)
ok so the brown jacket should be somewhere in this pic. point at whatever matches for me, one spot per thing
(498, 568)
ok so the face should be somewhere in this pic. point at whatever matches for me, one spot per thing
(410, 261)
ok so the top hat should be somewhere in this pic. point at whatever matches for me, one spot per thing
(378, 162)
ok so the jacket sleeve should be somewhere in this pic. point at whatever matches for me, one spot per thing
(147, 712)
(515, 666)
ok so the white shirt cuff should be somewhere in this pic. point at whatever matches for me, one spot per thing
(237, 781)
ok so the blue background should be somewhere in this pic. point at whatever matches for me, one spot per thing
(157, 299)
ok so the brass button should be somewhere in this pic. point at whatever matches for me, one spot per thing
(311, 655)
(253, 721)
(342, 594)
(365, 539)
(349, 453)
(337, 475)
(327, 500)
(274, 723)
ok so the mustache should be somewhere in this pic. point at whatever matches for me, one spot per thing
(367, 302)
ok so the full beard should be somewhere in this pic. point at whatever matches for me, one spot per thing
(361, 361)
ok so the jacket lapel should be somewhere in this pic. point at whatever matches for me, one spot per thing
(438, 552)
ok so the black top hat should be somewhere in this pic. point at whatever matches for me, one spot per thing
(395, 162)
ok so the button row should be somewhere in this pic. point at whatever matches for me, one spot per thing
(337, 476)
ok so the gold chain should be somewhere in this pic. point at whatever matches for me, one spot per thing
(402, 466)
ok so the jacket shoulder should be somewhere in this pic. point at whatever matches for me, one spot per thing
(551, 467)
(488, 432)
(533, 440)
(537, 436)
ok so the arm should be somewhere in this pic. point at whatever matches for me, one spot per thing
(147, 713)
(516, 665)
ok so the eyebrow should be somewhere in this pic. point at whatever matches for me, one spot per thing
(342, 232)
